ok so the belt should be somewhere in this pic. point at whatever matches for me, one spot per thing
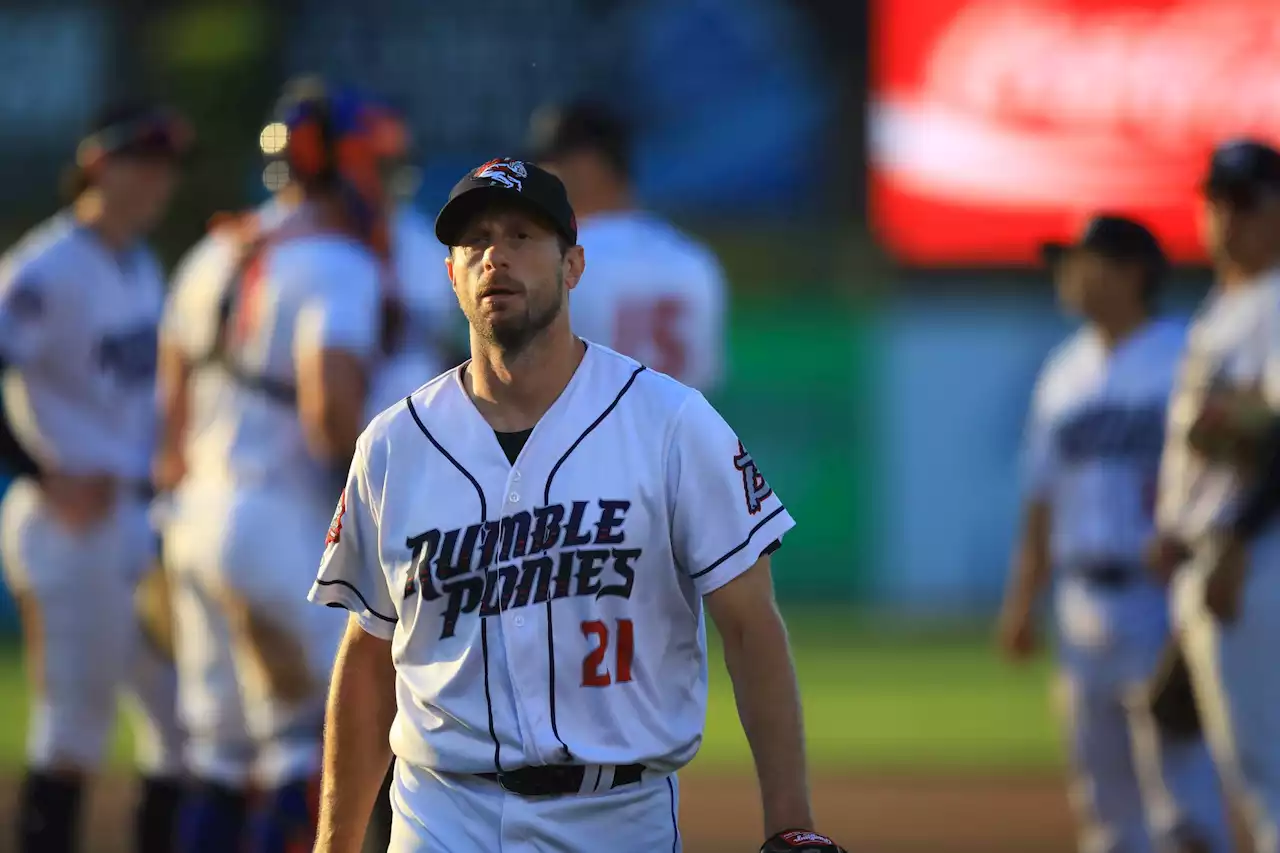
(1108, 575)
(561, 779)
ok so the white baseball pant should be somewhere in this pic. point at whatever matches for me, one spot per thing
(262, 547)
(1237, 682)
(1134, 790)
(80, 591)
(452, 813)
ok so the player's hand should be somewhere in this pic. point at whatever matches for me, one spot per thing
(1164, 554)
(1224, 586)
(78, 501)
(1230, 427)
(168, 470)
(1016, 633)
(800, 841)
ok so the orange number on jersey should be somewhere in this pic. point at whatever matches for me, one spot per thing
(592, 674)
(649, 329)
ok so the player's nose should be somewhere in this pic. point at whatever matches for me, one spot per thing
(495, 257)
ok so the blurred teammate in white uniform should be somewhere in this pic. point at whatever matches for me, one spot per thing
(650, 292)
(80, 299)
(270, 417)
(1093, 449)
(1228, 584)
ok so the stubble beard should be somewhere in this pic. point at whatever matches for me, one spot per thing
(513, 336)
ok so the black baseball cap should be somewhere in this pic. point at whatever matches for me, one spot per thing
(136, 129)
(559, 129)
(1242, 171)
(506, 181)
(1116, 238)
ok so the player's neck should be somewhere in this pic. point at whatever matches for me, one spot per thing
(92, 212)
(603, 203)
(1233, 274)
(1115, 330)
(514, 390)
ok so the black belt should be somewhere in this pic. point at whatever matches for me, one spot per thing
(1108, 575)
(558, 779)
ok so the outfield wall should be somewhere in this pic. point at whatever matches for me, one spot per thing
(892, 433)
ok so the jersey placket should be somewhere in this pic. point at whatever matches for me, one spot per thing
(525, 629)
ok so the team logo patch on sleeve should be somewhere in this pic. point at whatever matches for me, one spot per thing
(335, 526)
(754, 487)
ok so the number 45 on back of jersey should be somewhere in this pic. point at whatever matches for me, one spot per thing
(649, 330)
(595, 669)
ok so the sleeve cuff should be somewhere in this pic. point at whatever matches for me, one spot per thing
(344, 595)
(743, 556)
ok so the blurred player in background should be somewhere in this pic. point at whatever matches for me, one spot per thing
(1227, 582)
(80, 300)
(649, 292)
(1093, 449)
(263, 398)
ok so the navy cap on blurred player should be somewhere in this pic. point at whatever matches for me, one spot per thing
(131, 129)
(1242, 171)
(507, 182)
(559, 131)
(1115, 238)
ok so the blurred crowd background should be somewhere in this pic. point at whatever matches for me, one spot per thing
(876, 177)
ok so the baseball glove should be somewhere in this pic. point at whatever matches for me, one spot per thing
(801, 841)
(154, 609)
(1171, 698)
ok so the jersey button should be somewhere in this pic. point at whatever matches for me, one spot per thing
(514, 498)
(519, 621)
(515, 475)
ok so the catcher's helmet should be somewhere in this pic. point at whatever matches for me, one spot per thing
(329, 136)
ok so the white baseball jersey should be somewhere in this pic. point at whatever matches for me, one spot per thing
(1094, 441)
(78, 328)
(548, 610)
(433, 318)
(420, 279)
(312, 292)
(1232, 344)
(652, 293)
(1093, 447)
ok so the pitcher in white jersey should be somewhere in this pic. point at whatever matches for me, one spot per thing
(268, 423)
(525, 545)
(651, 291)
(80, 301)
(1094, 439)
(1227, 586)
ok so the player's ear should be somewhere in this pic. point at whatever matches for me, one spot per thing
(575, 262)
(448, 265)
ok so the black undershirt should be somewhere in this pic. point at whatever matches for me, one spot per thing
(513, 442)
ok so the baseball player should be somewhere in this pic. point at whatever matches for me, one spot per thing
(1227, 591)
(651, 292)
(269, 420)
(80, 298)
(525, 545)
(1093, 449)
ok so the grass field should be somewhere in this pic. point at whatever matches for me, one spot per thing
(920, 743)
(873, 702)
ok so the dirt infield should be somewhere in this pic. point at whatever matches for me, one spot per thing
(722, 815)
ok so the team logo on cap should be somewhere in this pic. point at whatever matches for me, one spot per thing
(507, 173)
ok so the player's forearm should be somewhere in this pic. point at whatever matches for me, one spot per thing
(768, 697)
(1031, 564)
(1261, 500)
(358, 719)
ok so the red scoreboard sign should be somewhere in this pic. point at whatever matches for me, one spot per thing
(997, 125)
